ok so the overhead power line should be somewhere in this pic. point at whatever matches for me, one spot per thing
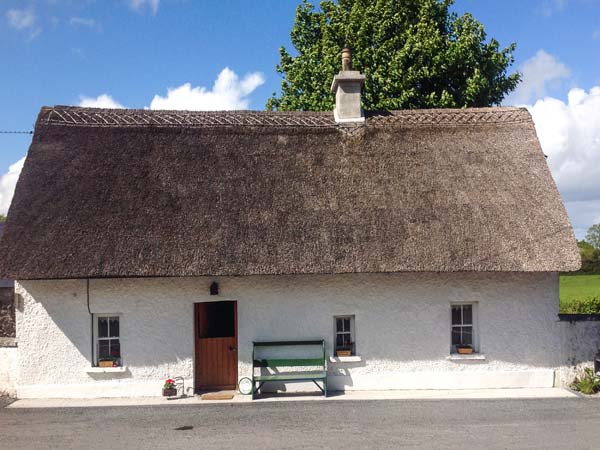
(15, 132)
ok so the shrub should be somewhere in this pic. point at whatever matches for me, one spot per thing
(582, 306)
(588, 383)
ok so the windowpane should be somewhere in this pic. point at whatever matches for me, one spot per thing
(456, 336)
(103, 349)
(115, 348)
(456, 319)
(467, 336)
(114, 327)
(339, 325)
(339, 341)
(347, 339)
(347, 324)
(467, 315)
(102, 327)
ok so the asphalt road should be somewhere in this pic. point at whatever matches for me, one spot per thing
(426, 424)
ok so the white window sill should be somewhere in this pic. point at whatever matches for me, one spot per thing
(467, 357)
(106, 369)
(345, 359)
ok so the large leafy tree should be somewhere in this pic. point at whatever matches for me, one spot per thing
(590, 258)
(593, 236)
(414, 53)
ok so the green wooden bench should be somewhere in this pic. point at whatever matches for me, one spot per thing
(315, 377)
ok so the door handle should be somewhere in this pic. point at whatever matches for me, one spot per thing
(232, 348)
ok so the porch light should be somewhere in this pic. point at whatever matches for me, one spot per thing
(214, 288)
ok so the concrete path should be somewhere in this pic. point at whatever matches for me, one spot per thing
(544, 423)
(335, 396)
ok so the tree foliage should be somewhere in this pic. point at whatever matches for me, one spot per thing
(589, 250)
(414, 53)
(593, 236)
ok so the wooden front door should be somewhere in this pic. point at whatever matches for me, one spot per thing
(216, 345)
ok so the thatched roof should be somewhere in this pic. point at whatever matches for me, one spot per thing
(123, 193)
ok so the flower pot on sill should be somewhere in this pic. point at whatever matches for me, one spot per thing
(343, 353)
(105, 363)
(169, 392)
(465, 350)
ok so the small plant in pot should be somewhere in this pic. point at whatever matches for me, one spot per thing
(344, 351)
(169, 388)
(110, 361)
(464, 349)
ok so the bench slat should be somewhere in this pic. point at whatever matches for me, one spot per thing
(278, 343)
(293, 376)
(289, 362)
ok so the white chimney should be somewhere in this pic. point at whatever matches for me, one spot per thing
(347, 86)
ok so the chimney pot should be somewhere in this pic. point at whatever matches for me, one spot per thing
(347, 86)
(346, 59)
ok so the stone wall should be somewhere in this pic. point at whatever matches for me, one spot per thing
(580, 345)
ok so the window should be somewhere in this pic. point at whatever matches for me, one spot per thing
(108, 343)
(344, 335)
(463, 331)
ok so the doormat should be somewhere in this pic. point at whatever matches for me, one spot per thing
(217, 396)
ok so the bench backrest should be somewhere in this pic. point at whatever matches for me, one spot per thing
(288, 362)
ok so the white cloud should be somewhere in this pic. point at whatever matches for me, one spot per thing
(102, 101)
(8, 181)
(78, 22)
(539, 72)
(138, 5)
(21, 18)
(549, 7)
(227, 93)
(569, 133)
(24, 20)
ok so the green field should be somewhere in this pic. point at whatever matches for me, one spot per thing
(578, 290)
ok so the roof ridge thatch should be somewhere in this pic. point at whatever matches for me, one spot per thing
(99, 117)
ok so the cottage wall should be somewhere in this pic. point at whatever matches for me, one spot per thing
(402, 329)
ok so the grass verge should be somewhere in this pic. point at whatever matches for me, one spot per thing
(580, 294)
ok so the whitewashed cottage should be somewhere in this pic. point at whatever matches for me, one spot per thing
(398, 237)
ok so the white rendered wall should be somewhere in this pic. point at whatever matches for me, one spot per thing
(402, 329)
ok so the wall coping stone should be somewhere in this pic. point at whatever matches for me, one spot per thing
(578, 317)
(8, 342)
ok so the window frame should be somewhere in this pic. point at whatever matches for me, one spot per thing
(352, 333)
(474, 326)
(97, 338)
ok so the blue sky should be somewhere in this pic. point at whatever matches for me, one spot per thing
(64, 51)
